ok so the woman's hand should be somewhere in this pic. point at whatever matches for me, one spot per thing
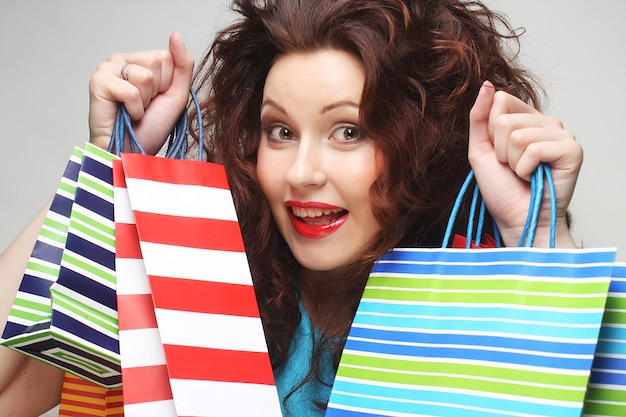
(507, 141)
(155, 92)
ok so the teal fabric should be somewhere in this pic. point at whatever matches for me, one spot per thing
(302, 403)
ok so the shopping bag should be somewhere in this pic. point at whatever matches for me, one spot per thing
(474, 332)
(78, 332)
(204, 302)
(82, 398)
(606, 392)
(30, 315)
(145, 381)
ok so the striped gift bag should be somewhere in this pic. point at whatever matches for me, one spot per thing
(475, 332)
(84, 317)
(606, 393)
(82, 398)
(29, 320)
(202, 292)
(145, 380)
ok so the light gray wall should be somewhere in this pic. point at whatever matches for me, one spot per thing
(49, 49)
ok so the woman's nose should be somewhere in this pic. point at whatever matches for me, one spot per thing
(307, 168)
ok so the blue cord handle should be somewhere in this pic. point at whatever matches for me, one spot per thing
(542, 174)
(177, 145)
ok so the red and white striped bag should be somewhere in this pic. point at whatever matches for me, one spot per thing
(204, 303)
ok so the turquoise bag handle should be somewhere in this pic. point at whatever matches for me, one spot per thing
(177, 140)
(542, 174)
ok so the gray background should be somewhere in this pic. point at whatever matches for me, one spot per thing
(49, 49)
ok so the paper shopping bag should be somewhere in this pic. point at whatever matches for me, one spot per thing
(145, 381)
(606, 393)
(82, 398)
(204, 302)
(83, 326)
(29, 318)
(474, 332)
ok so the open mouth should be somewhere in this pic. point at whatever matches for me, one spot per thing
(316, 222)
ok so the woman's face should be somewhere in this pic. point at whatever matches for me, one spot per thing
(315, 166)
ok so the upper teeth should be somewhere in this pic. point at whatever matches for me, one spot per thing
(313, 212)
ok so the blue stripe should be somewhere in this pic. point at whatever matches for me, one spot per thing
(480, 311)
(335, 412)
(93, 203)
(602, 362)
(599, 377)
(478, 341)
(89, 288)
(611, 347)
(62, 205)
(12, 329)
(505, 255)
(91, 250)
(612, 333)
(47, 252)
(531, 329)
(445, 399)
(619, 271)
(36, 286)
(97, 169)
(72, 170)
(617, 286)
(469, 354)
(588, 271)
(85, 332)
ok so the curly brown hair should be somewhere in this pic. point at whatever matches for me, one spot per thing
(424, 61)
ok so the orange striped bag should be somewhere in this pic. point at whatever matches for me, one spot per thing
(82, 398)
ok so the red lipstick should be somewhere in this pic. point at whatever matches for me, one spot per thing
(319, 226)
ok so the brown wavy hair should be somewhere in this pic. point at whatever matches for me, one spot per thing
(424, 61)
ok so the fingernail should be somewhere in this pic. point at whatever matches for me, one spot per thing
(488, 83)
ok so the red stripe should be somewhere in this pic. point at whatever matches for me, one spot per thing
(185, 362)
(136, 312)
(119, 179)
(145, 384)
(87, 394)
(191, 232)
(174, 171)
(83, 404)
(127, 241)
(204, 296)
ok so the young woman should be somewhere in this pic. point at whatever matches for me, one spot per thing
(346, 128)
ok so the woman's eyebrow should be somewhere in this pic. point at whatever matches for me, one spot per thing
(343, 103)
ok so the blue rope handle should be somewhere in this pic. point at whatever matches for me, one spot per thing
(177, 144)
(541, 174)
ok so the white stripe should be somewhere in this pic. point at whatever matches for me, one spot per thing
(555, 295)
(198, 264)
(58, 218)
(40, 274)
(141, 347)
(492, 277)
(75, 297)
(517, 249)
(123, 213)
(181, 200)
(102, 221)
(93, 152)
(131, 277)
(153, 409)
(70, 257)
(214, 331)
(210, 398)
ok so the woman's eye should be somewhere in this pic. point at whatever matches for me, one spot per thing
(280, 133)
(347, 134)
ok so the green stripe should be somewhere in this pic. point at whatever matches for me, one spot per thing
(50, 271)
(68, 188)
(514, 376)
(616, 303)
(614, 317)
(564, 286)
(95, 237)
(87, 312)
(451, 382)
(95, 225)
(551, 300)
(33, 305)
(91, 185)
(55, 236)
(85, 268)
(77, 154)
(107, 156)
(609, 410)
(57, 225)
(88, 348)
(29, 316)
(30, 338)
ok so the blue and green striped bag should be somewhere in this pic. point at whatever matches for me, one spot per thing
(73, 317)
(474, 332)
